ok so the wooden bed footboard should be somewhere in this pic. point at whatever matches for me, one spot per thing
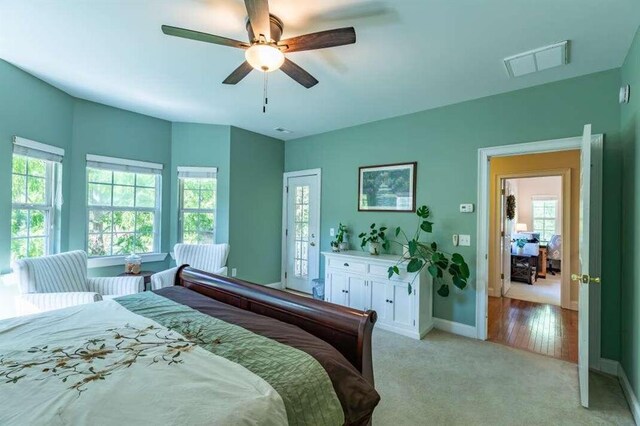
(348, 330)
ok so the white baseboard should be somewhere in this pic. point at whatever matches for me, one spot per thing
(634, 405)
(455, 328)
(277, 285)
(609, 366)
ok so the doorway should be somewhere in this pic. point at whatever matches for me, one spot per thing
(301, 230)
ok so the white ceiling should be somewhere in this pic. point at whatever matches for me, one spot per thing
(410, 55)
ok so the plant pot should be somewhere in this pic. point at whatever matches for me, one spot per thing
(335, 249)
(520, 251)
(374, 248)
(344, 246)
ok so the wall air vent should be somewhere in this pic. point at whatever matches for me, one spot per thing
(538, 59)
(283, 130)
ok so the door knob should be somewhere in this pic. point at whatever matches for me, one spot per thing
(312, 244)
(585, 279)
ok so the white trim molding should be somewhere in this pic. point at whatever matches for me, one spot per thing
(277, 285)
(27, 143)
(614, 368)
(123, 162)
(100, 262)
(455, 327)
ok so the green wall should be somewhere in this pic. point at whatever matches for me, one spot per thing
(201, 145)
(444, 142)
(34, 110)
(630, 306)
(255, 206)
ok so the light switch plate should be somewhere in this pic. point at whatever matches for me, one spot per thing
(466, 208)
(234, 272)
(464, 240)
(332, 232)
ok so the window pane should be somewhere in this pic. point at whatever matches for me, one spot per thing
(37, 247)
(144, 223)
(19, 223)
(146, 180)
(145, 197)
(538, 210)
(550, 211)
(207, 200)
(100, 176)
(208, 184)
(99, 195)
(36, 190)
(190, 199)
(37, 224)
(99, 245)
(123, 178)
(205, 238)
(124, 221)
(190, 238)
(36, 167)
(99, 221)
(127, 243)
(538, 225)
(18, 249)
(123, 196)
(19, 164)
(190, 222)
(193, 184)
(18, 189)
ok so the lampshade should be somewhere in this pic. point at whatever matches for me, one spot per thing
(264, 57)
(521, 227)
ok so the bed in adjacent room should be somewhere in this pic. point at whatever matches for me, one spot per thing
(210, 350)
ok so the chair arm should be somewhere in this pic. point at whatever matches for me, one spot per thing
(116, 286)
(163, 279)
(31, 303)
(222, 271)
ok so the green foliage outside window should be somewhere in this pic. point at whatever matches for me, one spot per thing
(197, 213)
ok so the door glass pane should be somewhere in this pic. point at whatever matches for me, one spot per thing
(301, 231)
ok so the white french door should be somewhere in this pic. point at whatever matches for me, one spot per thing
(586, 282)
(302, 230)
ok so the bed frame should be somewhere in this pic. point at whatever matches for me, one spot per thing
(348, 330)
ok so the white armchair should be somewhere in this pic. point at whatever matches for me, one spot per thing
(206, 257)
(60, 280)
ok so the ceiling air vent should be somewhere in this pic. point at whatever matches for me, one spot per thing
(283, 130)
(538, 59)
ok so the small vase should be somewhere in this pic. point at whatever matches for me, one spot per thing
(344, 246)
(520, 251)
(335, 249)
(374, 248)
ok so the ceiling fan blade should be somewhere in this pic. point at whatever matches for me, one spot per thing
(298, 74)
(241, 72)
(207, 38)
(321, 40)
(258, 11)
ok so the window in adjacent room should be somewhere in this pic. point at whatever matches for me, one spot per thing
(197, 204)
(35, 198)
(545, 217)
(123, 206)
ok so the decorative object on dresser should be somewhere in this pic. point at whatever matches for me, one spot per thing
(385, 188)
(360, 281)
(419, 255)
(341, 238)
(376, 239)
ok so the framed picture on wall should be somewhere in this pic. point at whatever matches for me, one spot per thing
(387, 188)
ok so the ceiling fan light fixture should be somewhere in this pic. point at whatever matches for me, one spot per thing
(264, 57)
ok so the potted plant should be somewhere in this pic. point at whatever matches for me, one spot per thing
(341, 238)
(376, 239)
(520, 243)
(421, 255)
(335, 247)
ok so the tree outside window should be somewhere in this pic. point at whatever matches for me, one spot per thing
(545, 217)
(197, 209)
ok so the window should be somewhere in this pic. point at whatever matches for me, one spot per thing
(123, 206)
(545, 216)
(35, 173)
(197, 215)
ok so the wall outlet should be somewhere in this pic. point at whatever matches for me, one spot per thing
(234, 272)
(465, 240)
(466, 208)
(332, 232)
(454, 239)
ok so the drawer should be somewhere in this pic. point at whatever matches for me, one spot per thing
(383, 272)
(347, 265)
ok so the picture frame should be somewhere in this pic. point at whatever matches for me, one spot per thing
(387, 188)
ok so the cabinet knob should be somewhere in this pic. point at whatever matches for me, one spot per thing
(346, 264)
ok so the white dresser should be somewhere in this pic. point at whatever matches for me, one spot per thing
(360, 280)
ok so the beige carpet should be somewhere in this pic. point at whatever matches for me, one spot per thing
(544, 290)
(450, 380)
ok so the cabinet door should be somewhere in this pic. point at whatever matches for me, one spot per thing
(380, 299)
(358, 293)
(337, 287)
(403, 305)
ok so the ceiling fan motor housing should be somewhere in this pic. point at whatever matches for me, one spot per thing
(276, 29)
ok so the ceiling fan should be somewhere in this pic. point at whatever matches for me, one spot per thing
(265, 50)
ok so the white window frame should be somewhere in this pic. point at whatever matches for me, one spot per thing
(132, 166)
(533, 216)
(185, 172)
(52, 156)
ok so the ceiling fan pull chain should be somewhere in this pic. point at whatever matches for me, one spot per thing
(266, 98)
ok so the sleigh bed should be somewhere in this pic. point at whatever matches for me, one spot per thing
(209, 350)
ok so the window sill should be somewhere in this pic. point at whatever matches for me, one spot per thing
(100, 262)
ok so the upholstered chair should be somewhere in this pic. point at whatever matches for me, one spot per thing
(60, 280)
(206, 257)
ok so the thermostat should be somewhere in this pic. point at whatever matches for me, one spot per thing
(466, 208)
(624, 94)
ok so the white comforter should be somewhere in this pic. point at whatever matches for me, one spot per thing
(141, 376)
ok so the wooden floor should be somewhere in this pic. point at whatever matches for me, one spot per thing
(536, 327)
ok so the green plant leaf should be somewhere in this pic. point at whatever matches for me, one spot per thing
(464, 271)
(457, 258)
(373, 225)
(459, 282)
(362, 235)
(434, 246)
(423, 212)
(454, 270)
(398, 230)
(384, 228)
(433, 270)
(413, 247)
(427, 226)
(385, 245)
(414, 265)
(443, 290)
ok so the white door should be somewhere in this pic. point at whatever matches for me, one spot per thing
(402, 305)
(505, 233)
(336, 285)
(302, 255)
(357, 292)
(380, 299)
(583, 276)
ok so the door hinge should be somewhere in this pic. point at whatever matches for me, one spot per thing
(502, 276)
(414, 323)
(286, 232)
(502, 191)
(502, 233)
(287, 188)
(285, 275)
